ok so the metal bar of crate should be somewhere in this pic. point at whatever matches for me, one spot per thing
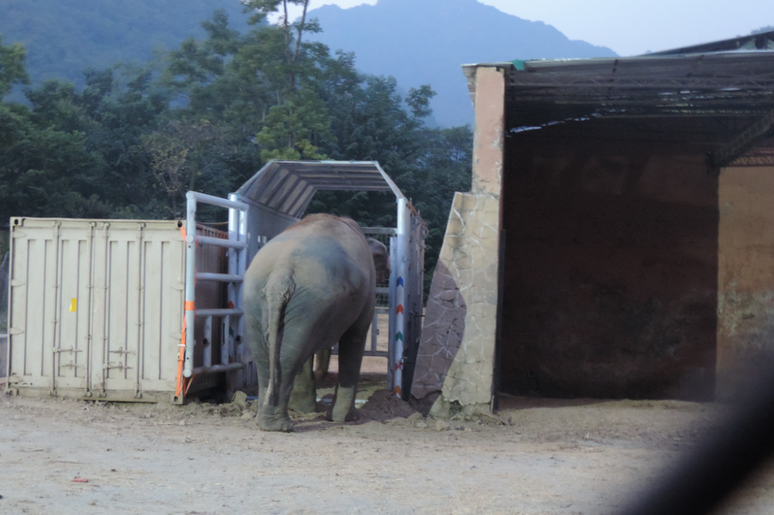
(224, 278)
(237, 264)
(400, 267)
(215, 201)
(215, 312)
(225, 341)
(190, 271)
(207, 342)
(214, 369)
(386, 235)
(383, 231)
(220, 242)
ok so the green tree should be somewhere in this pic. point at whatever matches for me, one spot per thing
(45, 169)
(11, 72)
(370, 123)
(11, 66)
(290, 70)
(75, 153)
(121, 114)
(262, 87)
(185, 153)
(48, 173)
(289, 127)
(445, 167)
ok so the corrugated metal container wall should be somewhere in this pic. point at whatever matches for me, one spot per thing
(96, 308)
(263, 224)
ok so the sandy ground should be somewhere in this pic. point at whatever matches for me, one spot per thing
(536, 457)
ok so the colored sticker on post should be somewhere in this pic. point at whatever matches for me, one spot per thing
(73, 305)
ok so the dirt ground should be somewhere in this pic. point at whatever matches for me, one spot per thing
(537, 456)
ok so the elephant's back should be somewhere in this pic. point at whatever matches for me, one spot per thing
(330, 287)
(326, 240)
(321, 264)
(332, 272)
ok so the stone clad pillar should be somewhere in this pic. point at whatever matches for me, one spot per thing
(488, 138)
(457, 351)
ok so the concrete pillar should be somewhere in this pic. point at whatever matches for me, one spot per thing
(457, 352)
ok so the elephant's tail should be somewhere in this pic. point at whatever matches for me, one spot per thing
(279, 289)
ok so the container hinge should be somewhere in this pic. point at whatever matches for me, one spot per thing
(72, 365)
(71, 349)
(122, 351)
(111, 366)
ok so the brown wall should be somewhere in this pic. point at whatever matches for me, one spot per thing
(745, 275)
(611, 269)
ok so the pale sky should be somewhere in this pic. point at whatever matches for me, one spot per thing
(633, 28)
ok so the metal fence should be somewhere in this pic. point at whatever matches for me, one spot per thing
(378, 339)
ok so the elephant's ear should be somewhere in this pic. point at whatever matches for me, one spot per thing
(381, 260)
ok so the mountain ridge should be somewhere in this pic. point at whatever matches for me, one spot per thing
(64, 37)
(416, 41)
(419, 53)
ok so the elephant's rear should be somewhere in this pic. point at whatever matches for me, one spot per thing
(303, 291)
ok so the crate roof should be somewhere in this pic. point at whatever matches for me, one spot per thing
(288, 186)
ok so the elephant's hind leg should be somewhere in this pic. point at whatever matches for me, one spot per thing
(304, 397)
(323, 364)
(274, 418)
(271, 417)
(351, 347)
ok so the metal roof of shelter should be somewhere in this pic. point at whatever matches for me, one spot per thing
(288, 186)
(759, 41)
(697, 88)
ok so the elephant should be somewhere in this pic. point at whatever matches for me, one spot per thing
(308, 288)
(382, 264)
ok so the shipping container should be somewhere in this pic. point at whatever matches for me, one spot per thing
(96, 307)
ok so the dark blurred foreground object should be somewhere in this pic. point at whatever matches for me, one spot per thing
(742, 442)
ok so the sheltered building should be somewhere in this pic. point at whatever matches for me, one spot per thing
(618, 239)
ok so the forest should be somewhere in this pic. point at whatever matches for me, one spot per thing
(207, 115)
